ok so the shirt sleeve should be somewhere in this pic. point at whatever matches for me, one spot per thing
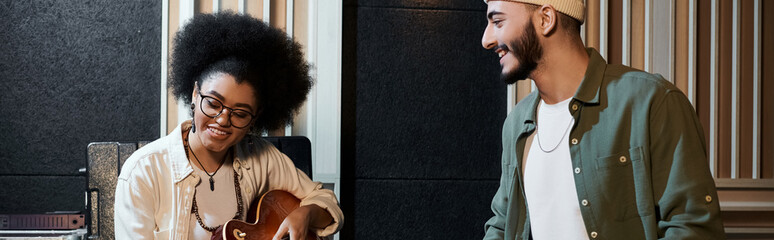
(684, 190)
(133, 209)
(284, 175)
(493, 228)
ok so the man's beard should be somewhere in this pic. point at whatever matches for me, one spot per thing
(527, 51)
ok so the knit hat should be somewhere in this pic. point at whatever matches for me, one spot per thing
(573, 8)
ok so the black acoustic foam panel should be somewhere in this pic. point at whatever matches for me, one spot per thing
(41, 194)
(477, 5)
(422, 209)
(73, 72)
(429, 100)
(423, 107)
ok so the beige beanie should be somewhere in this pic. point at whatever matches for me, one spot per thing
(573, 8)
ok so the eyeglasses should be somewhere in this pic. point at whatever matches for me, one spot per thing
(212, 107)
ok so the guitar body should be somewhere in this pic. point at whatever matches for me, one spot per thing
(266, 216)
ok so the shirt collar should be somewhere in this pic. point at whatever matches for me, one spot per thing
(181, 167)
(529, 118)
(588, 91)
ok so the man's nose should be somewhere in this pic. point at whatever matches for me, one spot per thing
(487, 40)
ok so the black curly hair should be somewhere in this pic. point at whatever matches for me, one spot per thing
(249, 50)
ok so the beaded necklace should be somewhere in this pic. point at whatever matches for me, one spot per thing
(237, 188)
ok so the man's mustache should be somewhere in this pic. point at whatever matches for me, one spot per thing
(502, 47)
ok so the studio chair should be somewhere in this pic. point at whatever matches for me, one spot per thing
(106, 158)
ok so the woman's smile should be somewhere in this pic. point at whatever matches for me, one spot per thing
(217, 134)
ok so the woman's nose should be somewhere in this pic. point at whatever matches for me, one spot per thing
(224, 118)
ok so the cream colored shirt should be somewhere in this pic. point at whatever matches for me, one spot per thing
(156, 186)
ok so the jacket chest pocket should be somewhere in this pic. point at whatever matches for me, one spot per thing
(616, 185)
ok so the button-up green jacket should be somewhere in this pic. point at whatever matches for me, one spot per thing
(638, 156)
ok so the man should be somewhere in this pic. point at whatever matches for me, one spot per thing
(599, 151)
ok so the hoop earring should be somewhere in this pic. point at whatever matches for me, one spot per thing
(193, 123)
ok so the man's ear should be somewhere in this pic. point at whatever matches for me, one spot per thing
(547, 19)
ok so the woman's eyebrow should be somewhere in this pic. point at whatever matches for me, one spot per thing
(222, 98)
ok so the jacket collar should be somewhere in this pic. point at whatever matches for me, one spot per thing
(181, 166)
(530, 117)
(588, 91)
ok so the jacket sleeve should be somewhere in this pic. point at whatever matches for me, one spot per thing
(133, 208)
(284, 175)
(494, 227)
(684, 190)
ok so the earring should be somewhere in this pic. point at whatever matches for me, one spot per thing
(193, 123)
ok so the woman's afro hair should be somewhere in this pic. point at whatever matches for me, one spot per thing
(251, 51)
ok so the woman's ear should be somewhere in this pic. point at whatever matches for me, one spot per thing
(195, 91)
(547, 19)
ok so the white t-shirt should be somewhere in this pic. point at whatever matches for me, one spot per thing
(552, 200)
(215, 207)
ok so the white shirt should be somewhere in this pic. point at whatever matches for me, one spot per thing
(155, 189)
(549, 184)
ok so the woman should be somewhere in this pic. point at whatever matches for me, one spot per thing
(241, 77)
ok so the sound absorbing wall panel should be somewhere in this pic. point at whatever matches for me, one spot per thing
(422, 113)
(71, 72)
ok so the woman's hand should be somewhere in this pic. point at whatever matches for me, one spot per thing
(298, 222)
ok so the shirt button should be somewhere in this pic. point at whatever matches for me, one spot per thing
(708, 198)
(622, 159)
(574, 141)
(585, 202)
(249, 190)
(577, 170)
(593, 234)
(575, 107)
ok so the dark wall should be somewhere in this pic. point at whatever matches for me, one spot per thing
(71, 72)
(422, 115)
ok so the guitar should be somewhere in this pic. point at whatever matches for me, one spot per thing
(270, 211)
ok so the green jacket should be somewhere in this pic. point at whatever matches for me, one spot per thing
(638, 156)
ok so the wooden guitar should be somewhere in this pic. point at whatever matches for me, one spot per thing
(266, 216)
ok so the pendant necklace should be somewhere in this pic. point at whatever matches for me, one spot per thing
(212, 182)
